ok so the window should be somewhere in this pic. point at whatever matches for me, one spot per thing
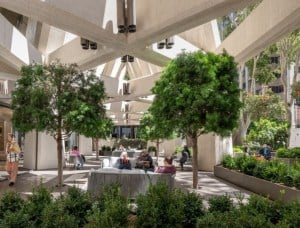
(277, 89)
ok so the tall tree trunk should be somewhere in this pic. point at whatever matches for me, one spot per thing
(240, 134)
(97, 148)
(194, 139)
(157, 148)
(59, 159)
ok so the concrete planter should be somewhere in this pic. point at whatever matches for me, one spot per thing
(256, 185)
(289, 161)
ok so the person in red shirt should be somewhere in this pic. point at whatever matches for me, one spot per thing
(168, 167)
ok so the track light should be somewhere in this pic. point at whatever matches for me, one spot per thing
(84, 43)
(124, 59)
(126, 16)
(130, 58)
(168, 43)
(127, 58)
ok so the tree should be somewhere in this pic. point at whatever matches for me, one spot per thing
(273, 133)
(196, 94)
(149, 130)
(58, 99)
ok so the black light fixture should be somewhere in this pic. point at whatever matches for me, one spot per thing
(127, 58)
(168, 43)
(93, 45)
(126, 88)
(126, 16)
(86, 44)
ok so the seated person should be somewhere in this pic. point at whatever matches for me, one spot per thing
(78, 162)
(145, 162)
(168, 167)
(124, 162)
(265, 151)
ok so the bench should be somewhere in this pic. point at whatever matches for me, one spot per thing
(133, 182)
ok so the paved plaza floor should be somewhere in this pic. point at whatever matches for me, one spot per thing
(208, 184)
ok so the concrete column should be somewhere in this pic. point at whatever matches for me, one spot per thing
(211, 149)
(40, 151)
(85, 145)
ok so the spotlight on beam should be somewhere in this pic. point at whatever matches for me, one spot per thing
(84, 43)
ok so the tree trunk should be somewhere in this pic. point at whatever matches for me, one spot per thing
(97, 148)
(240, 134)
(157, 148)
(59, 159)
(194, 139)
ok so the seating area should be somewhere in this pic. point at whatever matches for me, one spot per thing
(132, 182)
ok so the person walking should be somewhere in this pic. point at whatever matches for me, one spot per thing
(12, 158)
(185, 154)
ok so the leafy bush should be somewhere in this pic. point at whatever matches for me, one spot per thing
(16, 219)
(10, 201)
(54, 215)
(288, 153)
(34, 206)
(76, 203)
(248, 165)
(228, 162)
(110, 210)
(238, 149)
(193, 209)
(160, 207)
(152, 149)
(220, 204)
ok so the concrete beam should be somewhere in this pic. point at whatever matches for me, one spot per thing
(269, 22)
(14, 47)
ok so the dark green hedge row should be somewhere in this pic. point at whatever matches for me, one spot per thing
(274, 171)
(288, 153)
(160, 207)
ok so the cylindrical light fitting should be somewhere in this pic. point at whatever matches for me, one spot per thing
(84, 43)
(131, 16)
(121, 16)
(93, 45)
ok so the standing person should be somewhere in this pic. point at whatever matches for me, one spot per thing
(168, 167)
(12, 158)
(78, 157)
(145, 161)
(185, 154)
(124, 162)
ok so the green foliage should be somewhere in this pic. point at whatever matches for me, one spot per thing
(54, 215)
(288, 152)
(198, 93)
(296, 90)
(76, 203)
(10, 201)
(160, 207)
(59, 96)
(269, 132)
(220, 204)
(110, 210)
(152, 149)
(274, 170)
(132, 143)
(238, 149)
(193, 209)
(34, 206)
(150, 129)
(16, 219)
(268, 106)
(228, 162)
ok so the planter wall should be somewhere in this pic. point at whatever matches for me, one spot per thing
(289, 161)
(256, 185)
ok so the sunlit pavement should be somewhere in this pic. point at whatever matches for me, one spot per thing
(208, 184)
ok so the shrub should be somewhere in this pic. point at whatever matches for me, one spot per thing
(110, 210)
(288, 153)
(220, 204)
(54, 216)
(248, 165)
(160, 207)
(238, 149)
(36, 203)
(152, 149)
(229, 162)
(76, 203)
(16, 219)
(193, 209)
(10, 201)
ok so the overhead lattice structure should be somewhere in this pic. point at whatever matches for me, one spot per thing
(121, 39)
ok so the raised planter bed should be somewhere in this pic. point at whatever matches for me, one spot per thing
(259, 186)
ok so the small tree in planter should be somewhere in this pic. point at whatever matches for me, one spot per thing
(58, 98)
(149, 130)
(197, 93)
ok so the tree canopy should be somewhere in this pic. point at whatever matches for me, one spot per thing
(59, 98)
(196, 94)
